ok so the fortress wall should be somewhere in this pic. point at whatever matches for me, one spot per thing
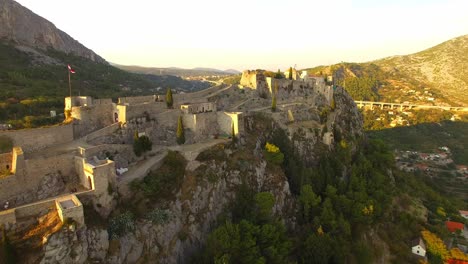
(35, 139)
(103, 132)
(7, 217)
(168, 118)
(187, 98)
(106, 101)
(226, 120)
(326, 91)
(249, 79)
(34, 209)
(140, 99)
(34, 172)
(91, 118)
(190, 121)
(37, 168)
(5, 159)
(111, 148)
(201, 124)
(9, 187)
(134, 111)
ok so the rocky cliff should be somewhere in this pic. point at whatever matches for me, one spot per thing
(22, 26)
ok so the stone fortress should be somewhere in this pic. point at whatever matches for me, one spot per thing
(65, 166)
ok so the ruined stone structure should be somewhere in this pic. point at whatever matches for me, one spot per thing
(198, 108)
(70, 208)
(285, 88)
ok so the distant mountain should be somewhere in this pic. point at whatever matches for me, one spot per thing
(21, 26)
(443, 67)
(437, 75)
(195, 72)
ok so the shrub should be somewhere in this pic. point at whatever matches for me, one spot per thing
(121, 224)
(158, 216)
(273, 154)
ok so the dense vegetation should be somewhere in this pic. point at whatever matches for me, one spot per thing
(344, 202)
(428, 137)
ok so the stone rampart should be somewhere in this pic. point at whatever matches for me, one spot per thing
(188, 98)
(30, 175)
(106, 131)
(92, 118)
(249, 79)
(141, 99)
(228, 120)
(35, 139)
(203, 124)
(140, 110)
(5, 161)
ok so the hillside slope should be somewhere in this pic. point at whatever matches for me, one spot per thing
(438, 75)
(443, 67)
(22, 26)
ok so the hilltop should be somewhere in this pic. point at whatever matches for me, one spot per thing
(436, 75)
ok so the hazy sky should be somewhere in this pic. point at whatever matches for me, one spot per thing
(246, 34)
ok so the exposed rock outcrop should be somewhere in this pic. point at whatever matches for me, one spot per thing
(22, 26)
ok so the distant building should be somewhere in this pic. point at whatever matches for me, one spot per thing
(5, 127)
(418, 247)
(464, 214)
(454, 226)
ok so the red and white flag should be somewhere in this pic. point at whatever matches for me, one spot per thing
(70, 69)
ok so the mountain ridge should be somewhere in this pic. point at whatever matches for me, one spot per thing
(181, 72)
(23, 27)
(440, 72)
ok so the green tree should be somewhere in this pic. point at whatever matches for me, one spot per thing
(308, 201)
(180, 135)
(290, 73)
(141, 144)
(279, 75)
(264, 202)
(169, 100)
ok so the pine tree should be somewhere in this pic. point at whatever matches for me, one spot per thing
(169, 100)
(180, 132)
(290, 73)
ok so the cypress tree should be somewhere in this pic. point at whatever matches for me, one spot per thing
(290, 73)
(180, 132)
(273, 103)
(169, 101)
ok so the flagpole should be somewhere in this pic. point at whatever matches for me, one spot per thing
(69, 84)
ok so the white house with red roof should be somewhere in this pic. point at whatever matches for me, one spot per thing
(464, 214)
